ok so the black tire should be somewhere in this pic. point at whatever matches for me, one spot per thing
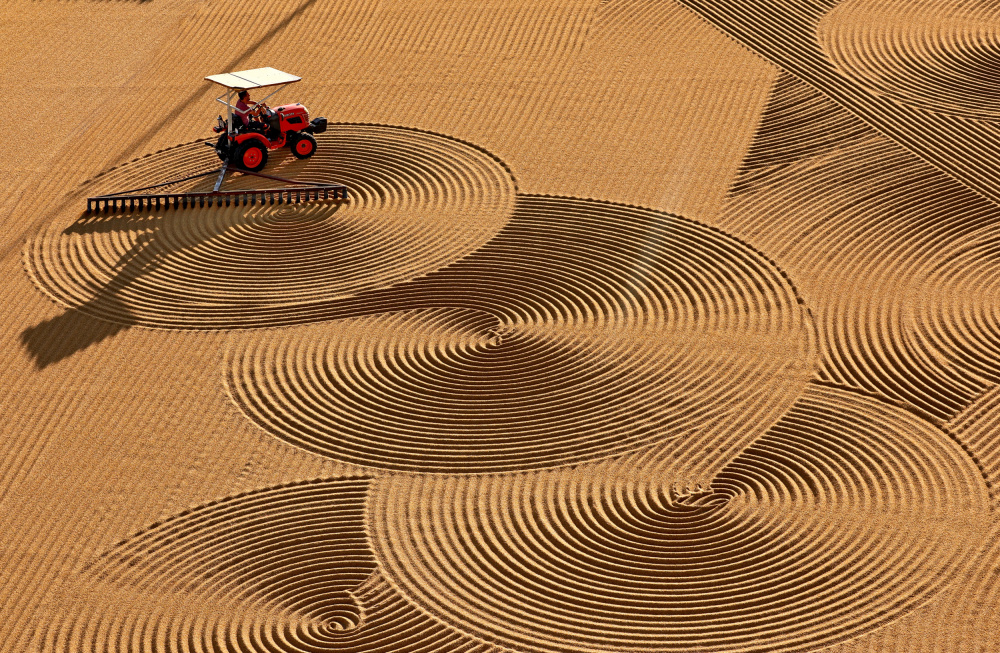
(222, 147)
(250, 155)
(303, 145)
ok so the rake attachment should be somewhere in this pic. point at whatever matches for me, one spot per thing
(136, 199)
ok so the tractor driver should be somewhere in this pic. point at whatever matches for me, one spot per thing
(244, 107)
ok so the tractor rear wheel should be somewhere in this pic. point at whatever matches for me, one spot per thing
(303, 145)
(251, 156)
(222, 147)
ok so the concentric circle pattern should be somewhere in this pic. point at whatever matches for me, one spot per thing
(941, 55)
(293, 554)
(959, 306)
(418, 202)
(582, 330)
(274, 571)
(923, 73)
(846, 514)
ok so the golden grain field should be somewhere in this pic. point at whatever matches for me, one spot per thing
(646, 325)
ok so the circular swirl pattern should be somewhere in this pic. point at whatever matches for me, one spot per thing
(846, 514)
(289, 555)
(958, 307)
(418, 201)
(583, 330)
(942, 55)
(276, 570)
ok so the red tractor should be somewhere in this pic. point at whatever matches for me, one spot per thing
(246, 146)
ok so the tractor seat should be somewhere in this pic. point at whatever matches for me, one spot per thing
(272, 125)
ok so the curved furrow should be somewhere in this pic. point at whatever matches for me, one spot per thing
(582, 330)
(978, 429)
(940, 56)
(847, 514)
(895, 259)
(957, 309)
(282, 569)
(418, 202)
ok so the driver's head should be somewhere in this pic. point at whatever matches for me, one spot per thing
(244, 95)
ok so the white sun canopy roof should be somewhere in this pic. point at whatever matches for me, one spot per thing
(256, 78)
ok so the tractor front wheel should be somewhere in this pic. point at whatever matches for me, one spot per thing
(303, 145)
(251, 156)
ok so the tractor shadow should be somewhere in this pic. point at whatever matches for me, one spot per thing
(107, 313)
(61, 337)
(64, 335)
(509, 278)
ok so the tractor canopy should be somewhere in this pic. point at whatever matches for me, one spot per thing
(256, 78)
(246, 80)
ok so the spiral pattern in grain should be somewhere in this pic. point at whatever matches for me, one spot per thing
(941, 55)
(582, 330)
(418, 201)
(272, 571)
(848, 513)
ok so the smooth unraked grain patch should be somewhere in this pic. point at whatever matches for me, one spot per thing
(846, 514)
(583, 329)
(417, 202)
